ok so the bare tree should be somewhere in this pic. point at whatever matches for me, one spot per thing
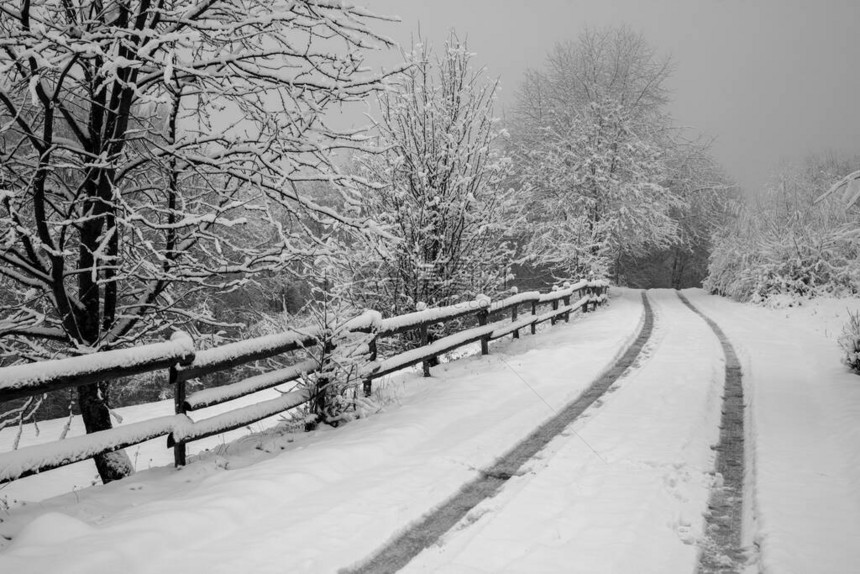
(151, 149)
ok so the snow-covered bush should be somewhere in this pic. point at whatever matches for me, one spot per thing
(784, 243)
(850, 341)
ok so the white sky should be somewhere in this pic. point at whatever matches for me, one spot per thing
(770, 79)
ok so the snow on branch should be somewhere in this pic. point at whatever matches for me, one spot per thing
(851, 185)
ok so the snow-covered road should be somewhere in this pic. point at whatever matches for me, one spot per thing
(803, 432)
(623, 489)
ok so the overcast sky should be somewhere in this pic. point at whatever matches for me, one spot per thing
(769, 79)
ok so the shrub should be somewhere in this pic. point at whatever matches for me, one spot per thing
(850, 341)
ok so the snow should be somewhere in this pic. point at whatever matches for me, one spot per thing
(435, 314)
(435, 348)
(804, 421)
(367, 321)
(226, 353)
(516, 299)
(186, 430)
(179, 347)
(623, 489)
(499, 332)
(15, 463)
(536, 319)
(150, 454)
(611, 494)
(263, 509)
(216, 395)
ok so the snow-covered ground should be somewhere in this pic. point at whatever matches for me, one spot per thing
(803, 420)
(624, 488)
(335, 495)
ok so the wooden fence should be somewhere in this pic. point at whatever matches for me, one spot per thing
(183, 363)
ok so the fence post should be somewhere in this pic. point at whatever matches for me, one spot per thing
(554, 305)
(588, 301)
(483, 314)
(179, 407)
(425, 339)
(515, 311)
(534, 312)
(566, 301)
(179, 395)
(368, 382)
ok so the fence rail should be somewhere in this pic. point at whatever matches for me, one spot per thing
(184, 364)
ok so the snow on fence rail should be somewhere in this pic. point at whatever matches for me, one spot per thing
(184, 363)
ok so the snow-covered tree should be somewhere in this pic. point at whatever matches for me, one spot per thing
(439, 190)
(592, 146)
(707, 198)
(783, 242)
(151, 150)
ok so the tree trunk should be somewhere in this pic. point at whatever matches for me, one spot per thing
(93, 399)
(93, 402)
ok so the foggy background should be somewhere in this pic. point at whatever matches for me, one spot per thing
(768, 79)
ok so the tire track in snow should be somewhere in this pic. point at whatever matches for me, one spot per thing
(428, 530)
(722, 551)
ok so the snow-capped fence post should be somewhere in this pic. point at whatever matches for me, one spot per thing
(425, 339)
(516, 334)
(179, 406)
(514, 311)
(587, 292)
(554, 306)
(566, 301)
(483, 315)
(534, 312)
(367, 383)
(596, 293)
